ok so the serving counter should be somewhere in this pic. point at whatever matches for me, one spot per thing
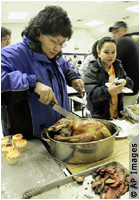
(36, 168)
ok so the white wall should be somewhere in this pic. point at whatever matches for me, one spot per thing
(101, 31)
(82, 39)
(81, 42)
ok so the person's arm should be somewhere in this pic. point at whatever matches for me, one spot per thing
(15, 85)
(94, 88)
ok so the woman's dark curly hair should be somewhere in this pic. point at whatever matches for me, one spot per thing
(52, 20)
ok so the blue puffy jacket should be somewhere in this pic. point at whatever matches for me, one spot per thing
(20, 68)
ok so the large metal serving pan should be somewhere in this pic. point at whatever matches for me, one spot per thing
(68, 188)
(88, 152)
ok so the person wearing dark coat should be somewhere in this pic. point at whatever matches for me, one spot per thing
(105, 102)
(128, 53)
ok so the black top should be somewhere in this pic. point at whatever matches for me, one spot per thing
(128, 53)
(98, 97)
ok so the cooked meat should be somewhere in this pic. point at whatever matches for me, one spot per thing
(110, 194)
(110, 181)
(114, 184)
(134, 109)
(85, 137)
(79, 179)
(95, 128)
(62, 123)
(96, 184)
(86, 130)
(65, 132)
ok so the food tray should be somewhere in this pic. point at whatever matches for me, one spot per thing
(132, 115)
(125, 114)
(70, 189)
(35, 168)
(84, 152)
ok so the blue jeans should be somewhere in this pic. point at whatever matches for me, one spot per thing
(4, 121)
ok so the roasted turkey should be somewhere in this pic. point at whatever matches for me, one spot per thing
(85, 130)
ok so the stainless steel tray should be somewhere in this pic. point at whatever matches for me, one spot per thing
(131, 113)
(125, 114)
(68, 188)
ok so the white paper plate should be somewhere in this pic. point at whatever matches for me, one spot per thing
(127, 90)
(123, 124)
(121, 134)
(124, 90)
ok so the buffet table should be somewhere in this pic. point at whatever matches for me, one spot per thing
(36, 168)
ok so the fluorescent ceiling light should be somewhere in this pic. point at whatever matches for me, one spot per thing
(94, 23)
(18, 15)
(99, 1)
(134, 9)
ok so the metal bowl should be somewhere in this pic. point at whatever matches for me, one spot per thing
(76, 153)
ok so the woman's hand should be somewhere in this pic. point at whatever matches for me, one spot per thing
(45, 93)
(123, 81)
(78, 85)
(115, 89)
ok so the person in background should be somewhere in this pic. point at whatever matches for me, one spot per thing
(70, 61)
(5, 41)
(74, 61)
(135, 38)
(128, 53)
(102, 101)
(5, 37)
(32, 77)
(92, 56)
(78, 65)
(95, 49)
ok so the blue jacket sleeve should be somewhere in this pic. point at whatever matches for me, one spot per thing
(14, 81)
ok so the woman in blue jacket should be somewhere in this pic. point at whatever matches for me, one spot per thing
(32, 75)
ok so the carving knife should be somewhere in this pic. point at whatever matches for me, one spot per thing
(64, 112)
